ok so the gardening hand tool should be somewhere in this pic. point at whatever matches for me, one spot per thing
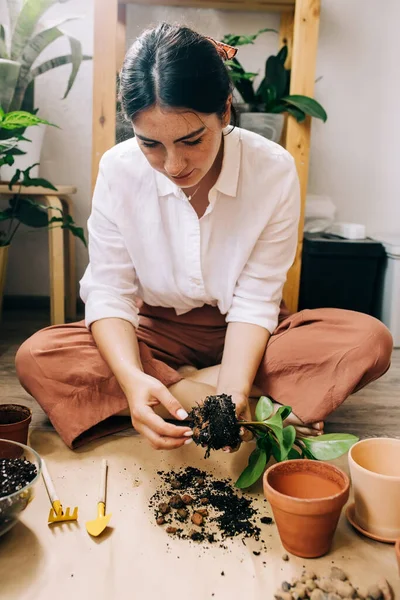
(56, 514)
(98, 525)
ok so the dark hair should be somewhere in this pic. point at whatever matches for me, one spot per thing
(174, 67)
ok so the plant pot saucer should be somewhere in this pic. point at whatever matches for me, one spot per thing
(351, 517)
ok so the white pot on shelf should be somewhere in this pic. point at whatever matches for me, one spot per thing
(269, 125)
(33, 150)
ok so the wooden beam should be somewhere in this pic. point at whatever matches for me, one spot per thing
(241, 5)
(304, 56)
(104, 79)
(286, 38)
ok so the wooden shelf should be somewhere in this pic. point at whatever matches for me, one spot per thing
(243, 5)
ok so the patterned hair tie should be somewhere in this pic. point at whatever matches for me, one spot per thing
(225, 51)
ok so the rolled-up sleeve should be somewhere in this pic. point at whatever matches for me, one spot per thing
(258, 292)
(109, 286)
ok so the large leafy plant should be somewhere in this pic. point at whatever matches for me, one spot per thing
(23, 209)
(273, 93)
(22, 42)
(275, 440)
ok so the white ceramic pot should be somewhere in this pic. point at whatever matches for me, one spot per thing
(268, 125)
(33, 150)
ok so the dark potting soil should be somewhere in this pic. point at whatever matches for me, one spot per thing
(215, 424)
(224, 512)
(15, 473)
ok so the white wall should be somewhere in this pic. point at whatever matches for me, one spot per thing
(353, 156)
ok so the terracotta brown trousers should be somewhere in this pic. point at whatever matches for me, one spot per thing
(313, 361)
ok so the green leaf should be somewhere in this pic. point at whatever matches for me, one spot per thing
(284, 412)
(294, 454)
(308, 105)
(3, 46)
(53, 63)
(36, 181)
(77, 232)
(21, 119)
(26, 24)
(276, 75)
(298, 114)
(264, 408)
(284, 445)
(330, 445)
(15, 178)
(9, 144)
(14, 8)
(282, 54)
(242, 40)
(30, 214)
(254, 470)
(76, 60)
(6, 215)
(9, 72)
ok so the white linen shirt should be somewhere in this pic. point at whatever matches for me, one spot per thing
(146, 241)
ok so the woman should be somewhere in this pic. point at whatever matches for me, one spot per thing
(192, 232)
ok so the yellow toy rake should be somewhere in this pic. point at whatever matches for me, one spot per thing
(56, 514)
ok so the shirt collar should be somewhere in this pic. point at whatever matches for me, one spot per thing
(228, 179)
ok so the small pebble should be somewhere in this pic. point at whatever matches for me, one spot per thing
(285, 557)
(164, 508)
(160, 521)
(202, 511)
(171, 529)
(197, 518)
(182, 514)
(186, 499)
(266, 520)
(337, 573)
(176, 501)
(317, 594)
(204, 500)
(175, 484)
(15, 473)
(286, 586)
(283, 596)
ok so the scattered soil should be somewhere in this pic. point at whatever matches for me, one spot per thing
(15, 473)
(336, 586)
(215, 424)
(229, 513)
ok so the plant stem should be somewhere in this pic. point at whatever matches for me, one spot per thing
(14, 232)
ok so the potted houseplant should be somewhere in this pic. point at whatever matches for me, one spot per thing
(23, 210)
(22, 41)
(263, 107)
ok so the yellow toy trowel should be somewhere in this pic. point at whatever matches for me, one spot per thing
(97, 526)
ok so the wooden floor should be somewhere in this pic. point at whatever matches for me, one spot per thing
(372, 412)
(37, 561)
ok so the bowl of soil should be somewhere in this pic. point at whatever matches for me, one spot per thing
(20, 468)
(307, 498)
(14, 422)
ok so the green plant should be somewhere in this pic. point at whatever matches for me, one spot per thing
(21, 45)
(24, 209)
(273, 93)
(273, 439)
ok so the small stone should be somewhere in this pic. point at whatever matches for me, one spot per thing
(333, 596)
(199, 481)
(186, 499)
(197, 518)
(317, 595)
(344, 589)
(309, 575)
(164, 508)
(171, 529)
(175, 484)
(326, 585)
(299, 591)
(266, 520)
(286, 586)
(285, 557)
(310, 584)
(387, 591)
(204, 501)
(337, 573)
(202, 511)
(182, 514)
(375, 592)
(160, 521)
(283, 596)
(176, 501)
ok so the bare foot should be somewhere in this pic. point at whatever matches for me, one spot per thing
(303, 429)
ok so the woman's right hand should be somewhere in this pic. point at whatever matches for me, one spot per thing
(144, 395)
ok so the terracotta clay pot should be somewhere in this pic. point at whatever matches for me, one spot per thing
(307, 498)
(375, 473)
(397, 548)
(14, 422)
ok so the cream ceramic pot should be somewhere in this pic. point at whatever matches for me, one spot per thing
(375, 473)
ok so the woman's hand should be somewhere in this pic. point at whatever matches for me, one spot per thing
(243, 413)
(144, 395)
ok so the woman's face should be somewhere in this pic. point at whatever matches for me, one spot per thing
(180, 144)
